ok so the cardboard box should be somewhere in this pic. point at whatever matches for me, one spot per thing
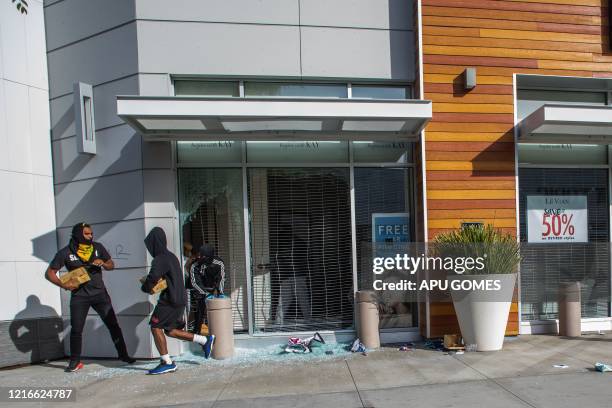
(76, 276)
(453, 342)
(159, 286)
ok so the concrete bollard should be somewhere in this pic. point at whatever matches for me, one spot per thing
(221, 325)
(367, 319)
(569, 309)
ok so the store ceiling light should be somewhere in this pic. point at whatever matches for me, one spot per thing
(167, 124)
(269, 125)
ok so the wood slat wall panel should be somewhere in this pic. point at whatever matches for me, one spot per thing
(472, 175)
(500, 71)
(511, 53)
(472, 213)
(469, 137)
(473, 117)
(470, 146)
(511, 43)
(480, 107)
(470, 168)
(472, 98)
(450, 79)
(511, 25)
(511, 15)
(435, 231)
(543, 35)
(596, 3)
(516, 6)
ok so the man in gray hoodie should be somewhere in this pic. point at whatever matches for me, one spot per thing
(168, 316)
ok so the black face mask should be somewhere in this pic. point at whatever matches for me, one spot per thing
(77, 234)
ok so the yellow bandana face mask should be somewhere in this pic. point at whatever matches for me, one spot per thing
(84, 252)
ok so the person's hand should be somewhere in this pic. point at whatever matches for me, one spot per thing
(70, 286)
(97, 262)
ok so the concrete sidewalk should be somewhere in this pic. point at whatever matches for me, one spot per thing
(522, 375)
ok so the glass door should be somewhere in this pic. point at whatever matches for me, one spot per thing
(211, 211)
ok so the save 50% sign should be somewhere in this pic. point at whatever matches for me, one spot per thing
(560, 219)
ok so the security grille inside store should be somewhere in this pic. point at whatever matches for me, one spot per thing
(545, 266)
(382, 191)
(301, 249)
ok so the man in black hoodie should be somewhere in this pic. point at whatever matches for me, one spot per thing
(83, 251)
(168, 316)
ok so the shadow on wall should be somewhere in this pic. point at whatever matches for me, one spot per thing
(40, 337)
(86, 206)
(44, 246)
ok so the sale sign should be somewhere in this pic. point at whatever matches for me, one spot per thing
(560, 219)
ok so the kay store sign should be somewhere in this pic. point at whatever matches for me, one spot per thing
(560, 219)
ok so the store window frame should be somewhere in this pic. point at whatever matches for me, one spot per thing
(349, 84)
(518, 87)
(351, 164)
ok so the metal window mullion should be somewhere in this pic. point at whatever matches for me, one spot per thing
(353, 220)
(247, 242)
(609, 215)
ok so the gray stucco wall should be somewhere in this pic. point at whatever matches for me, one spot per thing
(133, 47)
(96, 43)
(368, 39)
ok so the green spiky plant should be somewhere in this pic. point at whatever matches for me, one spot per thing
(500, 250)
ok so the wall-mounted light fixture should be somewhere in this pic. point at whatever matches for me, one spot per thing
(469, 78)
(84, 122)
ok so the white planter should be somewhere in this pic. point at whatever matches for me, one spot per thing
(483, 316)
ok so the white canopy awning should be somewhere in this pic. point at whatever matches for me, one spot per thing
(568, 124)
(190, 118)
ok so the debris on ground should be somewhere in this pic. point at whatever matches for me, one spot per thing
(602, 368)
(437, 345)
(303, 346)
(453, 342)
(471, 347)
(358, 347)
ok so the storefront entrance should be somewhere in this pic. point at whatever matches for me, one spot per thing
(301, 248)
(305, 209)
(583, 257)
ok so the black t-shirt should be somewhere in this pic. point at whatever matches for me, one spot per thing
(66, 257)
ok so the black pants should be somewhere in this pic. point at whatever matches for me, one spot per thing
(79, 306)
(200, 313)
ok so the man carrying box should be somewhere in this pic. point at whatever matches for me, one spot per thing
(168, 316)
(83, 252)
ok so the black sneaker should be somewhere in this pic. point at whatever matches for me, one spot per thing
(74, 365)
(127, 359)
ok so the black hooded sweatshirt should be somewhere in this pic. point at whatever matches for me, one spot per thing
(165, 265)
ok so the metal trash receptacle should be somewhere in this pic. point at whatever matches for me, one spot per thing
(367, 319)
(220, 324)
(569, 309)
